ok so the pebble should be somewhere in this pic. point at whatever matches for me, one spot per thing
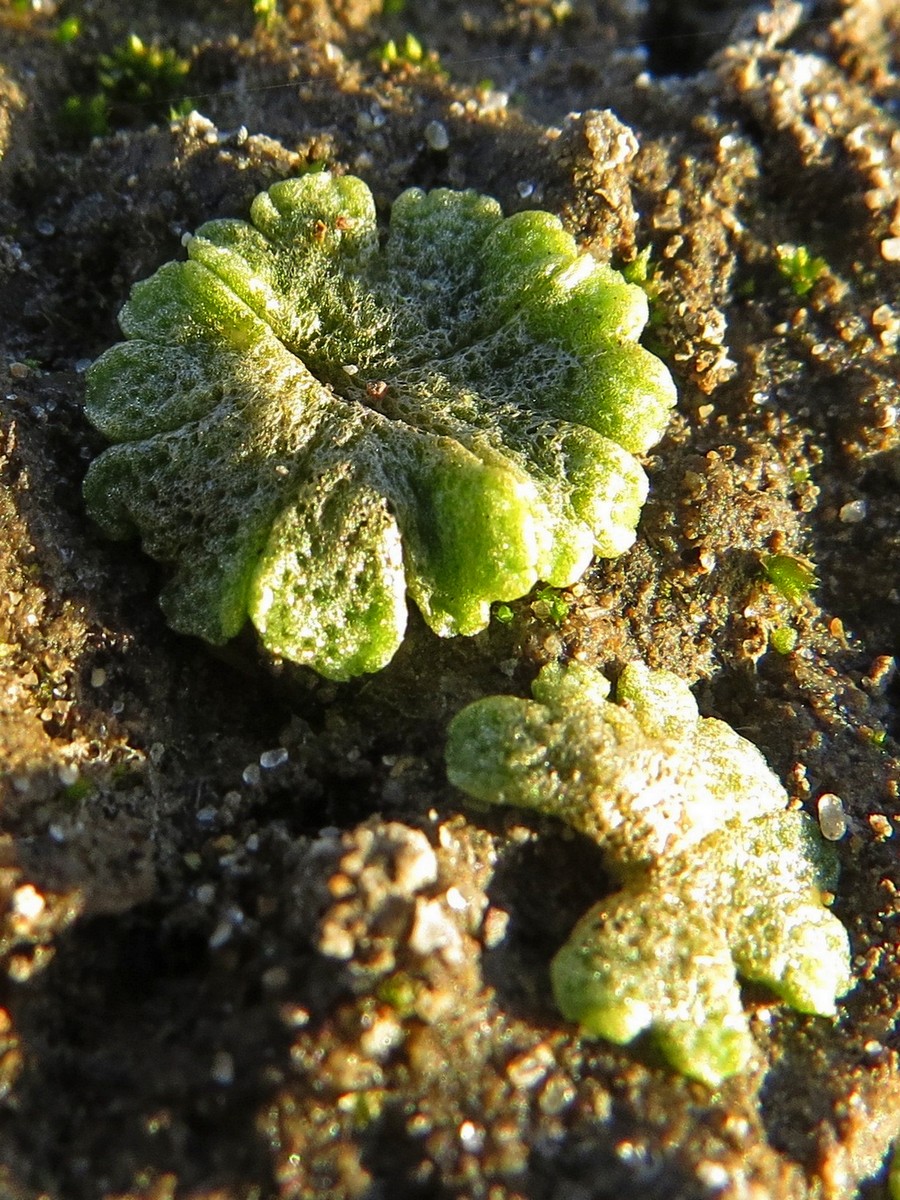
(471, 1137)
(528, 1069)
(853, 512)
(270, 759)
(432, 930)
(832, 818)
(222, 1068)
(436, 136)
(28, 903)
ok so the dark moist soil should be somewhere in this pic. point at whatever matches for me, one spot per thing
(325, 977)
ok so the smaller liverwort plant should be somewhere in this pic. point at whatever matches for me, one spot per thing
(719, 878)
(311, 423)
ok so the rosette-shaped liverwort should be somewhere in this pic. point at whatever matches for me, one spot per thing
(720, 879)
(311, 424)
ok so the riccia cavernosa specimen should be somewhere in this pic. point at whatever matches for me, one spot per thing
(720, 879)
(310, 426)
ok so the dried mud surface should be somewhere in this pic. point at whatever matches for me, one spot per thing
(253, 944)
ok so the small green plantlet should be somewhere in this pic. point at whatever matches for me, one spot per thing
(312, 424)
(549, 605)
(642, 272)
(136, 83)
(177, 112)
(640, 269)
(399, 992)
(408, 53)
(79, 790)
(783, 639)
(364, 1106)
(799, 267)
(265, 13)
(800, 476)
(68, 30)
(137, 74)
(719, 878)
(85, 116)
(794, 577)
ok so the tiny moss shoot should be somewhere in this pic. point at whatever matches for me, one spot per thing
(136, 83)
(801, 269)
(548, 605)
(311, 425)
(265, 13)
(720, 879)
(399, 992)
(408, 53)
(783, 639)
(794, 577)
(640, 270)
(137, 73)
(68, 30)
(85, 116)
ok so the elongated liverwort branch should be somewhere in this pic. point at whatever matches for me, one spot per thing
(310, 426)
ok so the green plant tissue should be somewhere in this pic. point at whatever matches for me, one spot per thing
(311, 425)
(720, 879)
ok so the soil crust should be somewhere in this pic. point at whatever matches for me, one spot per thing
(253, 943)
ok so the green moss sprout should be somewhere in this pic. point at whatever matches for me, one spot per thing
(408, 52)
(640, 270)
(136, 83)
(311, 424)
(266, 13)
(794, 577)
(68, 30)
(719, 878)
(137, 73)
(799, 267)
(783, 639)
(548, 605)
(85, 116)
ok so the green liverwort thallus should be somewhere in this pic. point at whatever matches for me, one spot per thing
(719, 878)
(310, 425)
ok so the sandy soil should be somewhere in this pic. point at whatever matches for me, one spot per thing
(217, 977)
